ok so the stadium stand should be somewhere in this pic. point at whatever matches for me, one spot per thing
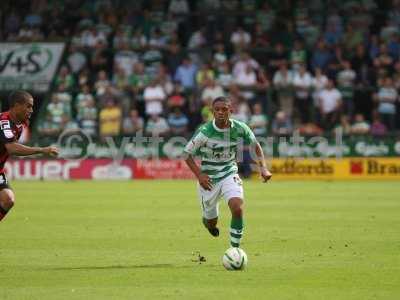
(151, 66)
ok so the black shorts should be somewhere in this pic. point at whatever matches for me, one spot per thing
(4, 182)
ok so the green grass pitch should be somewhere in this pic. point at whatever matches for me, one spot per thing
(135, 240)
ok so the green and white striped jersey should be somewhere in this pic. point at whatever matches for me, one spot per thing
(217, 147)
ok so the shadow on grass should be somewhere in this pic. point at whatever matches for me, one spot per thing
(117, 267)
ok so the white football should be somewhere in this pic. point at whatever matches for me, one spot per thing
(234, 259)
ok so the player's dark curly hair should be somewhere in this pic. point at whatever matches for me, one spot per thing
(18, 97)
(221, 99)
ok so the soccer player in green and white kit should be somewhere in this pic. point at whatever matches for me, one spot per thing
(216, 142)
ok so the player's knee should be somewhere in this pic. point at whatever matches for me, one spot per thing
(236, 207)
(8, 201)
(11, 200)
(237, 210)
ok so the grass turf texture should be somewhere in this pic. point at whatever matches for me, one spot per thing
(134, 240)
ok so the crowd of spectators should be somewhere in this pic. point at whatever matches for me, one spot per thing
(153, 67)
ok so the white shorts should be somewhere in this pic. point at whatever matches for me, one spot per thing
(229, 187)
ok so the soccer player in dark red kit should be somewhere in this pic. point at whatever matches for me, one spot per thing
(12, 123)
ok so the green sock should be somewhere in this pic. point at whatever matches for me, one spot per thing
(236, 231)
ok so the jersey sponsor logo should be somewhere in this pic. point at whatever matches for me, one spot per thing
(5, 124)
(8, 133)
(222, 154)
(3, 179)
(212, 145)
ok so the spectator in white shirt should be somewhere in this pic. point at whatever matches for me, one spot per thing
(319, 82)
(157, 39)
(197, 39)
(211, 91)
(386, 98)
(247, 82)
(330, 101)
(154, 96)
(241, 64)
(346, 80)
(77, 60)
(157, 126)
(240, 38)
(178, 8)
(91, 37)
(302, 82)
(125, 58)
(283, 83)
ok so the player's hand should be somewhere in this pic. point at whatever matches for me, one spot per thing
(205, 182)
(50, 151)
(265, 174)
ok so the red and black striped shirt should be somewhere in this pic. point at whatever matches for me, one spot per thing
(9, 133)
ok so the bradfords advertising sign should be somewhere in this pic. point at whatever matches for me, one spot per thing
(375, 168)
(28, 66)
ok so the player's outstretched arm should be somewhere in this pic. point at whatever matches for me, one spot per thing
(264, 172)
(204, 179)
(22, 150)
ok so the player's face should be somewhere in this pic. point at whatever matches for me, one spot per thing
(222, 111)
(25, 110)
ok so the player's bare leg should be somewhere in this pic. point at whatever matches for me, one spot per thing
(7, 199)
(211, 225)
(236, 231)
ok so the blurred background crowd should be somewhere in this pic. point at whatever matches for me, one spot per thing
(153, 67)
